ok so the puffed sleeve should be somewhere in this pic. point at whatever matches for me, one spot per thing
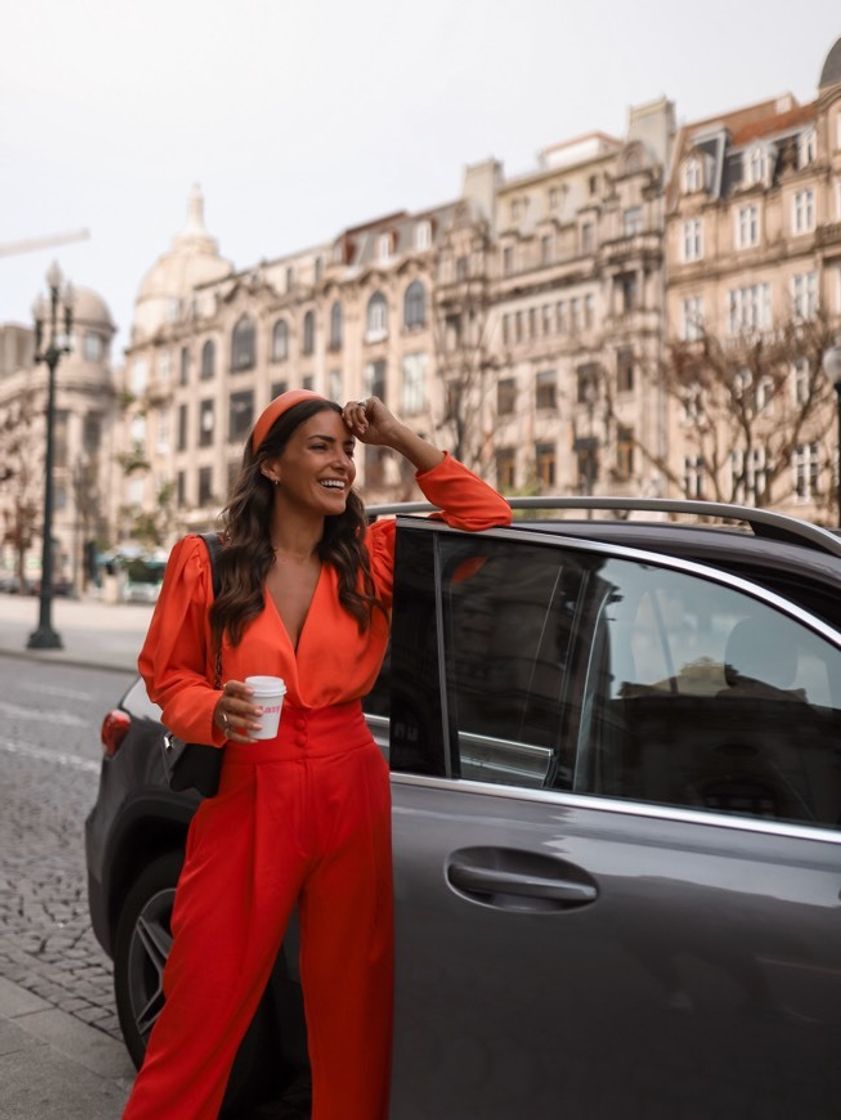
(174, 661)
(465, 501)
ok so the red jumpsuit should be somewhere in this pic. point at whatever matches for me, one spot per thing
(301, 818)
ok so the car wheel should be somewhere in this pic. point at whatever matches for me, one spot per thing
(144, 938)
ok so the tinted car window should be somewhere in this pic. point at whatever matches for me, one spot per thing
(509, 611)
(699, 695)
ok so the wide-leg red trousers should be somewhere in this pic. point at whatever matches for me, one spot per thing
(304, 817)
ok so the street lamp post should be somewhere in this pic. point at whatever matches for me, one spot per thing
(832, 369)
(56, 345)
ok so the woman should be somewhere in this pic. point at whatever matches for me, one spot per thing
(305, 595)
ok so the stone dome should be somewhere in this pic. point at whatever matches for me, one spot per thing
(193, 259)
(831, 73)
(91, 310)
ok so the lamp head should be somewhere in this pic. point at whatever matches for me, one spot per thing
(54, 276)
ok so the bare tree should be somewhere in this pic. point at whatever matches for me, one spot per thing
(746, 404)
(22, 474)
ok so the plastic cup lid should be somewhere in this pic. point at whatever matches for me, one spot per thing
(266, 685)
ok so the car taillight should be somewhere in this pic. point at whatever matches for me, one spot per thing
(114, 728)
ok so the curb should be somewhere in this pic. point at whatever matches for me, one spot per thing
(61, 658)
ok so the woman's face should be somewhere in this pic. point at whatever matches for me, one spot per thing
(316, 468)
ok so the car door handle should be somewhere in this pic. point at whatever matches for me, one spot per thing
(491, 880)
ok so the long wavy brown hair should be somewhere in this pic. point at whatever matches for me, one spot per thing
(247, 553)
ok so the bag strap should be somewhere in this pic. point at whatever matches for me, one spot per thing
(214, 548)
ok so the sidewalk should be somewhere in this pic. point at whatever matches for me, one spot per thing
(55, 1067)
(94, 635)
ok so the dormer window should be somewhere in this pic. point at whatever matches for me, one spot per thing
(693, 175)
(807, 147)
(756, 166)
(384, 247)
(423, 236)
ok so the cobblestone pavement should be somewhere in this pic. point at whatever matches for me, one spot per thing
(49, 754)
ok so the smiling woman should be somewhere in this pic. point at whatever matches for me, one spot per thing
(305, 594)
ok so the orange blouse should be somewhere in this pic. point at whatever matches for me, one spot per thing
(334, 663)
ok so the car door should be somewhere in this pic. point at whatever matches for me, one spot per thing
(616, 783)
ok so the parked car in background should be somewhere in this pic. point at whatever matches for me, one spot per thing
(615, 749)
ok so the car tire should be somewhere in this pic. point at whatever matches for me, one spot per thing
(140, 950)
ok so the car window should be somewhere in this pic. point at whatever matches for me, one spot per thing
(699, 695)
(509, 612)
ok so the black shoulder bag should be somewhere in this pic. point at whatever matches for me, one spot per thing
(194, 765)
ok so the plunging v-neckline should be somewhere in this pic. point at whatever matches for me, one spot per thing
(270, 599)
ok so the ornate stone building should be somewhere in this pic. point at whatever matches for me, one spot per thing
(84, 445)
(753, 260)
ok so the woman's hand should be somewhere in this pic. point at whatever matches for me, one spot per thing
(235, 715)
(371, 422)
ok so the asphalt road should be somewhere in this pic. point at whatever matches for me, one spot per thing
(50, 717)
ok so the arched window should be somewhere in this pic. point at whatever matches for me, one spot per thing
(243, 345)
(757, 164)
(280, 341)
(414, 305)
(377, 318)
(309, 333)
(336, 326)
(208, 359)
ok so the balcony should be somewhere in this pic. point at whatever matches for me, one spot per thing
(828, 234)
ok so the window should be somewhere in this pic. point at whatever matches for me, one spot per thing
(749, 474)
(804, 295)
(807, 147)
(506, 458)
(243, 345)
(546, 250)
(807, 469)
(546, 390)
(518, 326)
(693, 476)
(205, 486)
(519, 208)
(376, 318)
(546, 319)
(334, 385)
(632, 221)
(336, 326)
(308, 340)
(164, 367)
(801, 381)
(139, 376)
(508, 260)
(318, 269)
(803, 211)
(587, 238)
(278, 388)
(747, 227)
(506, 330)
(92, 431)
(624, 369)
(703, 697)
(208, 360)
(280, 341)
(693, 179)
(374, 380)
(93, 347)
(575, 313)
(240, 415)
(625, 453)
(587, 463)
(756, 165)
(593, 184)
(423, 236)
(506, 396)
(561, 316)
(290, 278)
(414, 384)
(181, 444)
(626, 284)
(692, 319)
(180, 489)
(750, 308)
(532, 323)
(544, 454)
(693, 245)
(461, 268)
(184, 366)
(414, 305)
(587, 383)
(692, 400)
(384, 246)
(588, 310)
(206, 422)
(376, 466)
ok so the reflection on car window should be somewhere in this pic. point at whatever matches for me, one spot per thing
(699, 695)
(509, 612)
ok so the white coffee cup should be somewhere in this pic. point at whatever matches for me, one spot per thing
(268, 694)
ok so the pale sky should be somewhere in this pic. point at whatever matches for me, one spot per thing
(300, 119)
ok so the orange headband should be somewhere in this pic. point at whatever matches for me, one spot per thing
(276, 408)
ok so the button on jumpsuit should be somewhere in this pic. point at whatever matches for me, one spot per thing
(304, 818)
